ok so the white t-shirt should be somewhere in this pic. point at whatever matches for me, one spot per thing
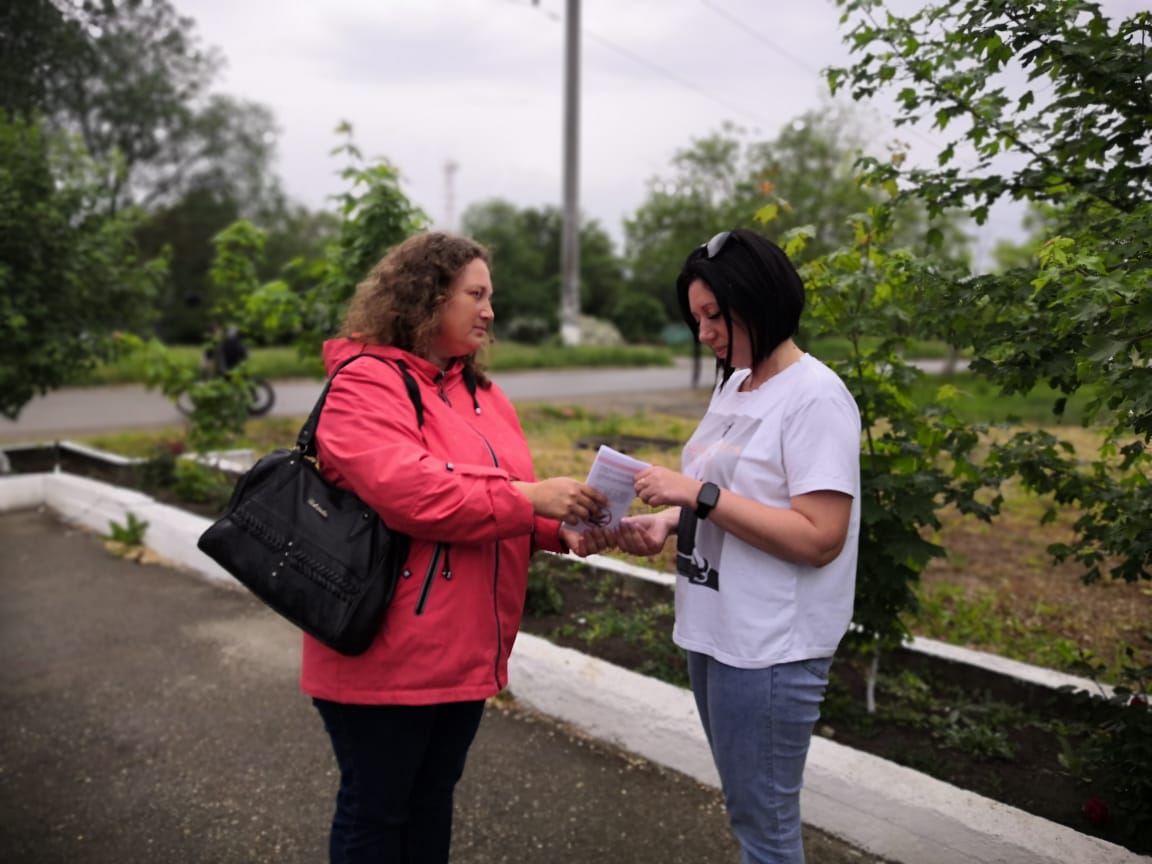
(799, 432)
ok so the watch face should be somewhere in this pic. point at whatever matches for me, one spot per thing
(706, 500)
(709, 494)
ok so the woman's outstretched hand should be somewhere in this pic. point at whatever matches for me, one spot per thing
(590, 541)
(644, 534)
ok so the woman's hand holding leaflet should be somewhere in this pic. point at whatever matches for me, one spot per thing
(564, 499)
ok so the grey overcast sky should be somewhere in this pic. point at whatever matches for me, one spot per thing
(479, 84)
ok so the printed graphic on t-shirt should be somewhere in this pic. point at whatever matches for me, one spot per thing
(696, 569)
(715, 452)
(717, 443)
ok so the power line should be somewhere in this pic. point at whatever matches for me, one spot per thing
(756, 34)
(660, 70)
(688, 85)
(760, 37)
(674, 77)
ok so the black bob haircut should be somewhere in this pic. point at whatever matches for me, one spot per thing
(755, 283)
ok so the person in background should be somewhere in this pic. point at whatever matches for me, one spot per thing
(766, 512)
(226, 350)
(402, 716)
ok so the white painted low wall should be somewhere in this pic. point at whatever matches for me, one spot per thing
(171, 533)
(21, 491)
(886, 809)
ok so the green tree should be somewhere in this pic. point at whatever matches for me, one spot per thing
(525, 244)
(296, 235)
(70, 273)
(809, 171)
(135, 86)
(914, 463)
(1011, 253)
(184, 231)
(130, 88)
(35, 39)
(601, 271)
(639, 318)
(374, 214)
(1066, 94)
(712, 187)
(228, 147)
(803, 177)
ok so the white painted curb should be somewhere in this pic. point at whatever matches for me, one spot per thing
(171, 533)
(885, 809)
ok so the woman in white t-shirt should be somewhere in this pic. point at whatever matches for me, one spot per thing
(767, 515)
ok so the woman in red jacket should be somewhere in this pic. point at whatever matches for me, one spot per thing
(402, 715)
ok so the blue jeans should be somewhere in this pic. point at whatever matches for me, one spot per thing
(759, 723)
(399, 765)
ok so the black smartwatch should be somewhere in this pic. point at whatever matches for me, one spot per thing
(706, 500)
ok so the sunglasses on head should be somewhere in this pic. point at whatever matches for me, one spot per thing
(712, 247)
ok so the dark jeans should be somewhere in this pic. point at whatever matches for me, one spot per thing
(399, 765)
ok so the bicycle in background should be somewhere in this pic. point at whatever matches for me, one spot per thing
(225, 353)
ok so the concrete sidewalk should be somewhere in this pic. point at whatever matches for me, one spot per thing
(151, 716)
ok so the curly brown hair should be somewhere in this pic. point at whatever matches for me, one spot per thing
(400, 301)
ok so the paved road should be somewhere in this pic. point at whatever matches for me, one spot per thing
(84, 411)
(78, 411)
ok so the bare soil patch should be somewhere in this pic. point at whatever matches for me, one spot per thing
(1004, 569)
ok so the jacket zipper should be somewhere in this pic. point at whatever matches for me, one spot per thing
(495, 582)
(496, 614)
(429, 577)
(441, 547)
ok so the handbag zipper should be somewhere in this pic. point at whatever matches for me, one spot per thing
(429, 577)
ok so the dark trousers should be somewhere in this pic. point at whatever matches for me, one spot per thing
(399, 765)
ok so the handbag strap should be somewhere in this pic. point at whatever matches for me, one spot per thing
(306, 440)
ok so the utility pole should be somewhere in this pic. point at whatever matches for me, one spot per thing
(570, 236)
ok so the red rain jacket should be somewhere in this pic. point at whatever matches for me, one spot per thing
(449, 630)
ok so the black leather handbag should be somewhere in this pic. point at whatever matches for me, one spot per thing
(316, 554)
